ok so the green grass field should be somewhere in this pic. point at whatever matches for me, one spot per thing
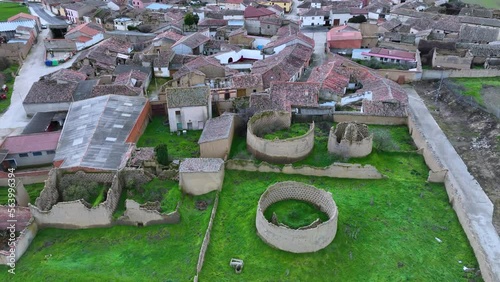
(295, 213)
(33, 191)
(295, 130)
(179, 146)
(8, 10)
(473, 86)
(492, 4)
(386, 231)
(4, 104)
(120, 253)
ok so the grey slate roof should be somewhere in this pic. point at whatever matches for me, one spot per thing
(201, 165)
(187, 97)
(96, 130)
(217, 128)
(477, 34)
(84, 89)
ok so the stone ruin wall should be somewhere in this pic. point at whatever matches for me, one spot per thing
(277, 151)
(136, 213)
(76, 214)
(347, 147)
(295, 240)
(23, 241)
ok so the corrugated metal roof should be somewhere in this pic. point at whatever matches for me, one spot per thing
(9, 26)
(88, 136)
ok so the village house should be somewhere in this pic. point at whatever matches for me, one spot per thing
(21, 17)
(315, 17)
(246, 84)
(233, 5)
(85, 35)
(99, 133)
(49, 96)
(16, 39)
(217, 136)
(188, 108)
(202, 70)
(392, 56)
(54, 6)
(192, 44)
(75, 11)
(458, 59)
(285, 4)
(344, 37)
(29, 150)
(124, 23)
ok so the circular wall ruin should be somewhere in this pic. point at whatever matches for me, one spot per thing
(277, 151)
(350, 139)
(303, 240)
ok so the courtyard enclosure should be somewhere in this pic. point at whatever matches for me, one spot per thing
(25, 224)
(303, 240)
(277, 151)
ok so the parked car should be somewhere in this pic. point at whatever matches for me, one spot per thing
(44, 26)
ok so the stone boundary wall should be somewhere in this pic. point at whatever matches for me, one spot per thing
(23, 241)
(438, 74)
(336, 170)
(76, 214)
(135, 213)
(277, 151)
(368, 119)
(27, 177)
(473, 208)
(297, 240)
(206, 239)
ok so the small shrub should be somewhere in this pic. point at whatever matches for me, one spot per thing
(161, 151)
(80, 189)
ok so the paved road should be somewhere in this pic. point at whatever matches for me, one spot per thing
(45, 18)
(13, 121)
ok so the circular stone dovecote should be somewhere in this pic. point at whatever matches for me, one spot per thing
(277, 151)
(350, 139)
(307, 239)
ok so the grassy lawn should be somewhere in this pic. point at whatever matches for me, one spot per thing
(156, 84)
(473, 86)
(119, 253)
(386, 230)
(8, 10)
(295, 130)
(391, 138)
(295, 213)
(33, 191)
(167, 192)
(179, 146)
(492, 4)
(4, 104)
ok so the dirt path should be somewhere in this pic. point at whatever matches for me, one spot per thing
(475, 135)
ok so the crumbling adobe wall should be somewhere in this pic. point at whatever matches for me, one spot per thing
(76, 214)
(140, 214)
(199, 183)
(297, 240)
(22, 242)
(277, 151)
(350, 139)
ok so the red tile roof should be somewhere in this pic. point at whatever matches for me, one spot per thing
(24, 16)
(89, 29)
(343, 32)
(392, 54)
(252, 12)
(31, 142)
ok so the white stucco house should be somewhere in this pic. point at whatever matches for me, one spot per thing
(188, 108)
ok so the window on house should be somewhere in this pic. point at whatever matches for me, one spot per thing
(36, 154)
(51, 152)
(23, 155)
(268, 26)
(313, 18)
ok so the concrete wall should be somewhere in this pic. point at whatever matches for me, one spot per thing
(218, 148)
(438, 74)
(32, 160)
(472, 206)
(368, 119)
(199, 183)
(277, 151)
(29, 177)
(297, 240)
(451, 61)
(32, 109)
(59, 45)
(136, 213)
(22, 242)
(335, 170)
